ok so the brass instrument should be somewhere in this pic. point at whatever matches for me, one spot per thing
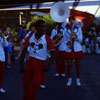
(59, 12)
(1, 35)
(57, 39)
(72, 37)
(6, 35)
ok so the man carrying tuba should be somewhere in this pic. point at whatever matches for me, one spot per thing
(57, 37)
(59, 13)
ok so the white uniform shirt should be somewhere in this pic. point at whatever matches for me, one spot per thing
(38, 48)
(28, 34)
(77, 42)
(3, 43)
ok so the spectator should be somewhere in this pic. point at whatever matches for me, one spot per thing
(21, 33)
(93, 35)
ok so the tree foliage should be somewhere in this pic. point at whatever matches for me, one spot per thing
(47, 19)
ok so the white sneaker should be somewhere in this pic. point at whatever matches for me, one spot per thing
(42, 86)
(69, 82)
(63, 75)
(78, 83)
(2, 90)
(56, 74)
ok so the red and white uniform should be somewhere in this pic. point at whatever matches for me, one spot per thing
(34, 69)
(39, 50)
(76, 52)
(3, 43)
(60, 49)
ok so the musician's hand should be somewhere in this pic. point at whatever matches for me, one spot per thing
(75, 35)
(68, 43)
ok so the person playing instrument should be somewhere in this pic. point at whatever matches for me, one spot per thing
(60, 48)
(10, 49)
(37, 45)
(73, 38)
(3, 43)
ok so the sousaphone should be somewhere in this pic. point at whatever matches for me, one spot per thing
(59, 13)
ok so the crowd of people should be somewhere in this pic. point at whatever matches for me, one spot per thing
(64, 45)
(91, 41)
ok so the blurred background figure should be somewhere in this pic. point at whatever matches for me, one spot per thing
(3, 43)
(10, 49)
(92, 35)
(21, 33)
(98, 43)
(87, 43)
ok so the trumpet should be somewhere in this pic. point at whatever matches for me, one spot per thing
(72, 37)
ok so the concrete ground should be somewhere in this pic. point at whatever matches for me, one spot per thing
(56, 88)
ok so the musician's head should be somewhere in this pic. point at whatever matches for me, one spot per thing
(8, 29)
(32, 27)
(58, 25)
(71, 20)
(41, 26)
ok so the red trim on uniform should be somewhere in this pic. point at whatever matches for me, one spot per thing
(2, 67)
(74, 55)
(26, 44)
(50, 44)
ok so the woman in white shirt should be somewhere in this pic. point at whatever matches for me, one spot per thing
(3, 43)
(73, 38)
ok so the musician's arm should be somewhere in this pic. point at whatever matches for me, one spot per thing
(22, 59)
(53, 34)
(51, 48)
(4, 42)
(79, 37)
(26, 44)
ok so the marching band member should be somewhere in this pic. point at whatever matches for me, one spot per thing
(32, 29)
(60, 49)
(73, 38)
(37, 45)
(3, 43)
